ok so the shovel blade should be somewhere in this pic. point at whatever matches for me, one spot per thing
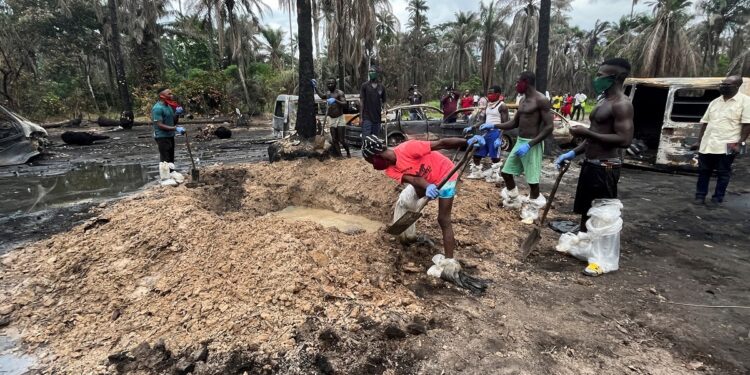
(403, 223)
(530, 242)
(195, 174)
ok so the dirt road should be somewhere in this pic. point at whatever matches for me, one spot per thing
(538, 317)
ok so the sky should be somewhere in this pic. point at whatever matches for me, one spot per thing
(584, 13)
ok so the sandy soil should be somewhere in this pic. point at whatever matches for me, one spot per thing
(156, 278)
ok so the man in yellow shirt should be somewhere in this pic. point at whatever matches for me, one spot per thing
(725, 128)
(557, 102)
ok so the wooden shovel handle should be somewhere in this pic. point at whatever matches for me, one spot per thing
(552, 193)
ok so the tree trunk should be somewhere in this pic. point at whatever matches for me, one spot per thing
(86, 63)
(147, 59)
(542, 62)
(306, 106)
(291, 33)
(211, 61)
(240, 56)
(222, 35)
(339, 47)
(126, 117)
(542, 51)
(316, 28)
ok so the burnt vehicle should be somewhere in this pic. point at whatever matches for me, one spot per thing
(20, 139)
(421, 122)
(667, 118)
(285, 112)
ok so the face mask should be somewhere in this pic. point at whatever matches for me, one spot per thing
(493, 97)
(727, 90)
(379, 163)
(521, 87)
(601, 84)
(373, 76)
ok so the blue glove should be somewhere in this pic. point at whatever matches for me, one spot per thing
(497, 143)
(523, 149)
(432, 191)
(476, 141)
(468, 129)
(331, 101)
(179, 110)
(314, 83)
(570, 155)
(487, 126)
(180, 130)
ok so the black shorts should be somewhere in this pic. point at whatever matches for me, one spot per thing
(596, 182)
(166, 149)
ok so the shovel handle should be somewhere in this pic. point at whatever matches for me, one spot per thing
(190, 152)
(552, 193)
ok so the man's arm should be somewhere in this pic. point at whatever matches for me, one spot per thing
(504, 114)
(623, 127)
(340, 97)
(546, 114)
(382, 97)
(419, 183)
(745, 132)
(320, 93)
(447, 144)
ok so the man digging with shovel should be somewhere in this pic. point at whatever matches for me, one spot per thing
(429, 175)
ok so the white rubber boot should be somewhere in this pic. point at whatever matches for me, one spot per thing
(493, 174)
(531, 208)
(511, 199)
(475, 172)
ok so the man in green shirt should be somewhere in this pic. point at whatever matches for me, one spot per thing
(163, 117)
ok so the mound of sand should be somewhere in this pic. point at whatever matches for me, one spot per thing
(211, 267)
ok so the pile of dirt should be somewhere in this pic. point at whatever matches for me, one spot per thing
(174, 271)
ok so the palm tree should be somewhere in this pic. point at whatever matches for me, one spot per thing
(254, 9)
(143, 33)
(418, 38)
(491, 28)
(663, 47)
(594, 35)
(461, 38)
(126, 117)
(274, 46)
(305, 125)
(387, 28)
(542, 53)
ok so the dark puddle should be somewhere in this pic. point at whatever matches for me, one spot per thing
(33, 206)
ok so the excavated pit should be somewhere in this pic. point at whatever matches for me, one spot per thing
(158, 275)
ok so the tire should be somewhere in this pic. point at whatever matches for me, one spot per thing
(396, 139)
(507, 143)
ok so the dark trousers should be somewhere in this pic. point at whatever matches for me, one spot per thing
(370, 128)
(707, 164)
(166, 149)
(578, 113)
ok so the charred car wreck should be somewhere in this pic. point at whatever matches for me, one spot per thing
(20, 139)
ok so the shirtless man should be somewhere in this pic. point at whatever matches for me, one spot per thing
(534, 123)
(335, 113)
(496, 113)
(611, 129)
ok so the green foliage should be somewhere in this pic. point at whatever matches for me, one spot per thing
(473, 84)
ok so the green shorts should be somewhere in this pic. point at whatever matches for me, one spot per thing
(530, 165)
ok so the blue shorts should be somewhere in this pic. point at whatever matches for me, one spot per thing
(448, 191)
(489, 148)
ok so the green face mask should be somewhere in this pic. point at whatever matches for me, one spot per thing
(373, 76)
(601, 84)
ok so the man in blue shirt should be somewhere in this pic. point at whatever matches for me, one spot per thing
(163, 117)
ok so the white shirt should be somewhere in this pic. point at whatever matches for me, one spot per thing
(580, 98)
(493, 113)
(724, 119)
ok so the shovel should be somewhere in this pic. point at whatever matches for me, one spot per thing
(533, 238)
(194, 172)
(409, 218)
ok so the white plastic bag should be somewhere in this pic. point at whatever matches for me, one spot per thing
(510, 198)
(601, 244)
(531, 207)
(407, 201)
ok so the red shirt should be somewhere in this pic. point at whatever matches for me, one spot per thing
(467, 101)
(416, 158)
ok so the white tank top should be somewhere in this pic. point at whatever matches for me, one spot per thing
(493, 113)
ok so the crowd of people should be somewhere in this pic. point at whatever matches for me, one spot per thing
(570, 106)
